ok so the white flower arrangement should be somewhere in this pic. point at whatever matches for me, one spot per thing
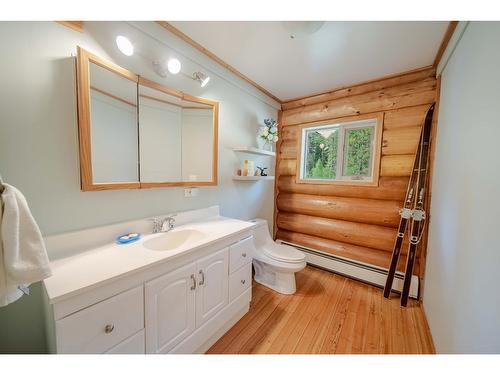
(269, 132)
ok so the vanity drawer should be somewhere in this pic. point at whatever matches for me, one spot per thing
(240, 253)
(240, 281)
(100, 327)
(133, 345)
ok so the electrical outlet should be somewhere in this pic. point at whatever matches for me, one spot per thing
(191, 192)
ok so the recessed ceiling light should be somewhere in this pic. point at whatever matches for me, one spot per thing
(174, 66)
(202, 78)
(124, 45)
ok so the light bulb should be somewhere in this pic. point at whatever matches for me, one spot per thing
(174, 66)
(124, 45)
(205, 81)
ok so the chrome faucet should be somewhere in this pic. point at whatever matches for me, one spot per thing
(163, 224)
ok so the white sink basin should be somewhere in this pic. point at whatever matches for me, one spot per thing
(173, 240)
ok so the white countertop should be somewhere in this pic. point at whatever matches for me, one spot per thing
(100, 265)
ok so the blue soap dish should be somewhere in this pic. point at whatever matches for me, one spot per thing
(128, 238)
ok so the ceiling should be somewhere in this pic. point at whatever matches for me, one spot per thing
(338, 54)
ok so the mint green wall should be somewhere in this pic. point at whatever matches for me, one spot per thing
(39, 146)
(22, 324)
(461, 298)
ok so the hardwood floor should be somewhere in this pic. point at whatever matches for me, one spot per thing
(329, 313)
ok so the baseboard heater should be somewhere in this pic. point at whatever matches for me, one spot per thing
(354, 269)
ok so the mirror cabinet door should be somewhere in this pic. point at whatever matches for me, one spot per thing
(113, 126)
(160, 132)
(197, 141)
(135, 133)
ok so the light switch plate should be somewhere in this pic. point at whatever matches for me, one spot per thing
(191, 192)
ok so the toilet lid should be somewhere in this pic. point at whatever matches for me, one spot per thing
(283, 253)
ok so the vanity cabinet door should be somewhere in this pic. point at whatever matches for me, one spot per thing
(212, 289)
(170, 309)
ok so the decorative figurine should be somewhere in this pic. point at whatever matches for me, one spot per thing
(262, 171)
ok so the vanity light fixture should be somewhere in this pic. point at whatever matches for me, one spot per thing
(125, 45)
(174, 66)
(202, 78)
(162, 68)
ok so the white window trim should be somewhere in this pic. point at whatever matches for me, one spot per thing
(374, 122)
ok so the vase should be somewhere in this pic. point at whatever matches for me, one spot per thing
(268, 146)
(260, 142)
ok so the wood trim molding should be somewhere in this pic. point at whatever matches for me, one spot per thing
(277, 174)
(83, 100)
(444, 43)
(159, 100)
(156, 86)
(166, 25)
(112, 67)
(74, 25)
(432, 155)
(113, 96)
(83, 60)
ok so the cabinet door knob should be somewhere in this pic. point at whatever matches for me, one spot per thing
(109, 328)
(202, 281)
(244, 255)
(243, 281)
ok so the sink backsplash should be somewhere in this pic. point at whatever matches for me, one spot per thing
(71, 243)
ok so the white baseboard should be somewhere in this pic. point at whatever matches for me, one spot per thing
(356, 270)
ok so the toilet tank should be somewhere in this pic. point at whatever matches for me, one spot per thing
(261, 233)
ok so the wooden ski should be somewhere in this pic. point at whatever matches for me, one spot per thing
(405, 214)
(418, 215)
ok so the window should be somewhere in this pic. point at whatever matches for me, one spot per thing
(345, 152)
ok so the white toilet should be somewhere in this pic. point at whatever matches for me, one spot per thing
(275, 264)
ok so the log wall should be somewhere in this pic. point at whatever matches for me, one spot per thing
(356, 222)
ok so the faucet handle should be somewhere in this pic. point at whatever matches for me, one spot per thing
(157, 224)
(171, 221)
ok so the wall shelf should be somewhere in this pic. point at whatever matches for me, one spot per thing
(252, 178)
(254, 151)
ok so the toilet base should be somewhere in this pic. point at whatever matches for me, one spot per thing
(279, 279)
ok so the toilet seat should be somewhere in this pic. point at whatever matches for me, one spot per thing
(283, 253)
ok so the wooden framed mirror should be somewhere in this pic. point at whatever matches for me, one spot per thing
(135, 133)
(178, 137)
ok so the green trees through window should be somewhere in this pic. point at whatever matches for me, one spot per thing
(322, 153)
(358, 152)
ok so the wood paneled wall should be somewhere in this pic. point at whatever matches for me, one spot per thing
(355, 222)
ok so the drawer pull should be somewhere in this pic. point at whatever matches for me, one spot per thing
(243, 281)
(202, 281)
(244, 255)
(193, 287)
(109, 328)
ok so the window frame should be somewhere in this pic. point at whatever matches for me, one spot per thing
(344, 124)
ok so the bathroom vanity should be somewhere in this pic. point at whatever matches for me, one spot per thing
(172, 292)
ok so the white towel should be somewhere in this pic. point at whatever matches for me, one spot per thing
(23, 258)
